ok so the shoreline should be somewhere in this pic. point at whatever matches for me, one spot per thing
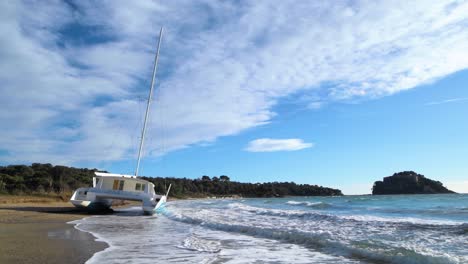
(44, 233)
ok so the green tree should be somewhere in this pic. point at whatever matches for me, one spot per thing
(205, 178)
(224, 178)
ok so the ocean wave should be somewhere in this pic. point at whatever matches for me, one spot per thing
(402, 220)
(437, 211)
(314, 215)
(463, 229)
(318, 205)
(325, 242)
(280, 213)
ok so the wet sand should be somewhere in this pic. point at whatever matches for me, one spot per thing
(39, 233)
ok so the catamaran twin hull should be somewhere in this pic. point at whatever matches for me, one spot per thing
(107, 187)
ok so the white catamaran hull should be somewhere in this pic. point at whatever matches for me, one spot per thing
(99, 197)
(150, 209)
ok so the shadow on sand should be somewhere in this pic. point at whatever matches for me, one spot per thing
(57, 210)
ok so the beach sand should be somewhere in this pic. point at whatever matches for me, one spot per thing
(38, 232)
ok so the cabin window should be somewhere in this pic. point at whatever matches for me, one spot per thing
(140, 187)
(118, 185)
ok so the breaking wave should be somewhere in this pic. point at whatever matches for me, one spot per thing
(369, 251)
(318, 205)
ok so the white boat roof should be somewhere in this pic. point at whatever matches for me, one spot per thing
(115, 175)
(104, 174)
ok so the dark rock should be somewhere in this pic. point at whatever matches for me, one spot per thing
(408, 182)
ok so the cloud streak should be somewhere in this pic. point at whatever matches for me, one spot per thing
(453, 100)
(272, 145)
(71, 75)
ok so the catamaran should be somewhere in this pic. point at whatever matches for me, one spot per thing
(109, 186)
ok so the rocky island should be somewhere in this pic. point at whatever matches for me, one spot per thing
(408, 182)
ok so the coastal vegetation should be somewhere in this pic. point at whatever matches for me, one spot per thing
(408, 182)
(43, 179)
(222, 186)
(46, 180)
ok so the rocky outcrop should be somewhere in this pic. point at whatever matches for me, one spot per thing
(408, 182)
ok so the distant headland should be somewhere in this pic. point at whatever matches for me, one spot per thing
(408, 182)
(46, 179)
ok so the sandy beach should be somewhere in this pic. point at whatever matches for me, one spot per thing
(37, 232)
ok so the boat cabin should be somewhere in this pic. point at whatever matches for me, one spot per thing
(120, 182)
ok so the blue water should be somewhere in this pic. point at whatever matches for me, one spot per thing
(347, 229)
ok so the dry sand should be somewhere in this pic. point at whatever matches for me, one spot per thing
(38, 233)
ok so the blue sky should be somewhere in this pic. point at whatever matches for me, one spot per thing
(338, 94)
(422, 129)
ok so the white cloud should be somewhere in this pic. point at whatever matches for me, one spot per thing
(223, 68)
(270, 145)
(315, 105)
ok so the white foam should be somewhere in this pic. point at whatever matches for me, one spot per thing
(317, 205)
(304, 203)
(76, 224)
(362, 217)
(195, 243)
(410, 220)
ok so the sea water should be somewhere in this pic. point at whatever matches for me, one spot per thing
(346, 229)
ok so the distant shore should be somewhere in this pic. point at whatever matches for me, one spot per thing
(35, 230)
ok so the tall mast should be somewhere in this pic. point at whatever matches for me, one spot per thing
(149, 102)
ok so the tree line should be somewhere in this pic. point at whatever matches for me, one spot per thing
(43, 179)
(47, 179)
(222, 186)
